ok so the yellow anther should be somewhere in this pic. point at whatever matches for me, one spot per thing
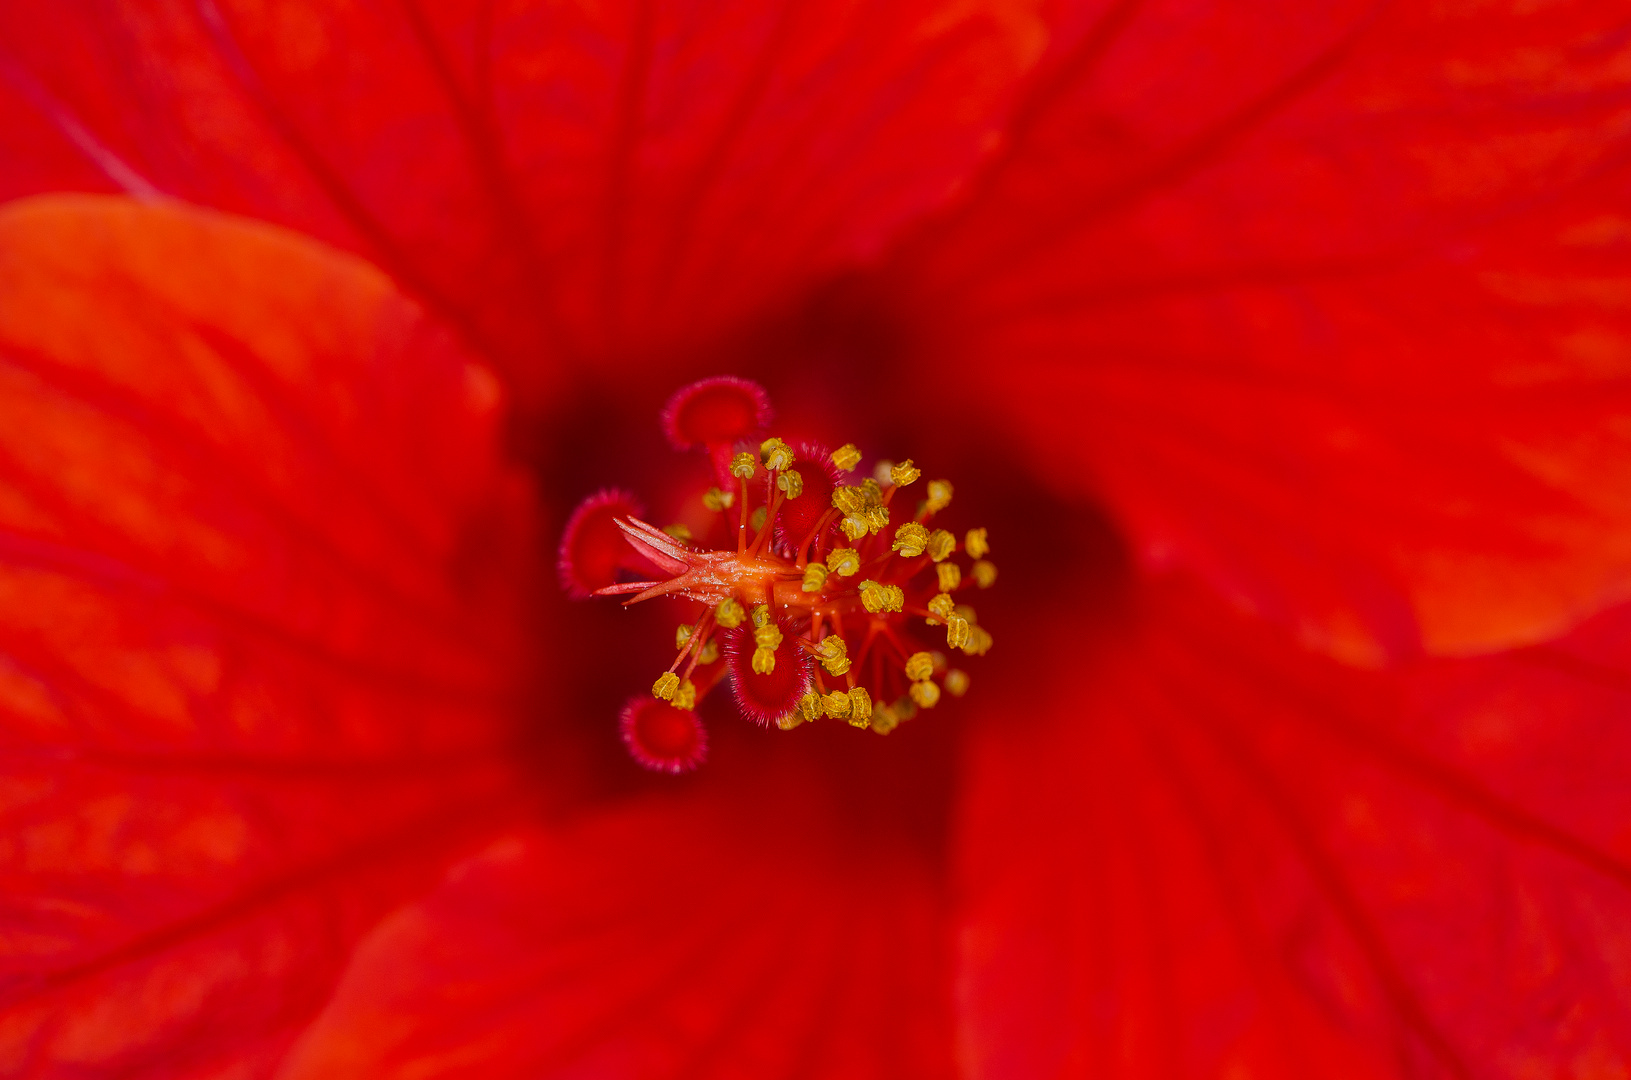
(919, 666)
(744, 465)
(666, 684)
(833, 652)
(836, 704)
(789, 722)
(761, 614)
(904, 473)
(686, 696)
(939, 496)
(941, 607)
(791, 483)
(871, 489)
(678, 532)
(860, 708)
(941, 544)
(926, 694)
(878, 598)
(956, 632)
(876, 518)
(809, 706)
(717, 499)
(682, 634)
(956, 682)
(844, 561)
(950, 574)
(855, 527)
(849, 500)
(885, 719)
(815, 576)
(764, 660)
(985, 573)
(710, 652)
(979, 641)
(768, 636)
(846, 457)
(757, 518)
(910, 539)
(976, 544)
(729, 613)
(775, 453)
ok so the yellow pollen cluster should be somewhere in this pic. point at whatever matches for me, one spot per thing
(950, 576)
(775, 454)
(845, 562)
(791, 483)
(666, 684)
(910, 539)
(984, 573)
(717, 499)
(940, 545)
(743, 466)
(878, 598)
(846, 457)
(815, 576)
(941, 608)
(767, 638)
(860, 707)
(956, 682)
(975, 544)
(863, 509)
(833, 652)
(939, 496)
(904, 473)
(729, 613)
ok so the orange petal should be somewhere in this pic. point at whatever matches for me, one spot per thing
(258, 635)
(1332, 310)
(1219, 854)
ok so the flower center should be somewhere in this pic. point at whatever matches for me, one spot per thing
(816, 593)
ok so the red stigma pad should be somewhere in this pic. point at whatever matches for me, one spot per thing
(717, 411)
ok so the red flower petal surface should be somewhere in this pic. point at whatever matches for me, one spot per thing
(257, 627)
(599, 178)
(743, 936)
(1225, 856)
(1329, 301)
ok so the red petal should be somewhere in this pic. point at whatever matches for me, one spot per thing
(259, 637)
(745, 937)
(1221, 855)
(602, 178)
(1329, 304)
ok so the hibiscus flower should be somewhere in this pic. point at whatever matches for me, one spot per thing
(1282, 349)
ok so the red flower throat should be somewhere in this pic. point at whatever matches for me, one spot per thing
(805, 596)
